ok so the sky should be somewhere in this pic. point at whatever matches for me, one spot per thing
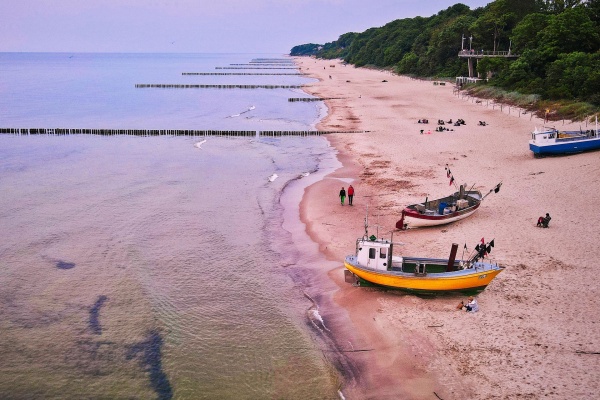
(196, 26)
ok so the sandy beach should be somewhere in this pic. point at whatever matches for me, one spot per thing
(537, 334)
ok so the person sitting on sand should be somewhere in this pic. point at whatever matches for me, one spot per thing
(472, 305)
(544, 221)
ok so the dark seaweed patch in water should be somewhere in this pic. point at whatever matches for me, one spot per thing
(94, 312)
(151, 360)
(64, 265)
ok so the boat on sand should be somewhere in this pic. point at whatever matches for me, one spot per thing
(459, 205)
(551, 141)
(374, 263)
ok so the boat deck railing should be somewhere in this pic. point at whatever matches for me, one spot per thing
(574, 138)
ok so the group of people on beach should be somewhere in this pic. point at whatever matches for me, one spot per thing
(441, 123)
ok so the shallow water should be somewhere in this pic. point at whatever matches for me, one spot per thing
(155, 267)
(149, 268)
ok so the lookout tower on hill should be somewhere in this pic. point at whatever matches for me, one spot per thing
(472, 54)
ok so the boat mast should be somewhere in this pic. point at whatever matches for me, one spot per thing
(367, 222)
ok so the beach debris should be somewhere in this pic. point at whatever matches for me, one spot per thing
(200, 143)
(243, 112)
(587, 352)
(316, 319)
(273, 177)
(304, 174)
(60, 264)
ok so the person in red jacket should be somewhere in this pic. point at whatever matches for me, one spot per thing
(350, 194)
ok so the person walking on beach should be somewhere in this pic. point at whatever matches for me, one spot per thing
(342, 195)
(350, 194)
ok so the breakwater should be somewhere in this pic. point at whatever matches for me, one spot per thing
(242, 73)
(256, 67)
(162, 132)
(195, 86)
(293, 99)
(266, 64)
(268, 60)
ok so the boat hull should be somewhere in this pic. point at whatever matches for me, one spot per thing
(567, 147)
(429, 213)
(473, 282)
(415, 220)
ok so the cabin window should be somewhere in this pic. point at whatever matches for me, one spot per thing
(383, 253)
(372, 253)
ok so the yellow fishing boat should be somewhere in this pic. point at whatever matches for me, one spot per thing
(374, 264)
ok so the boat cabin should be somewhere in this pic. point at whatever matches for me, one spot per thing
(374, 253)
(377, 254)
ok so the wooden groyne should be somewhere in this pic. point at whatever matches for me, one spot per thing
(242, 73)
(303, 133)
(293, 99)
(128, 132)
(266, 64)
(193, 86)
(162, 132)
(256, 67)
(281, 60)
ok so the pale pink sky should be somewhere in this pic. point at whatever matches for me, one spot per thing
(226, 26)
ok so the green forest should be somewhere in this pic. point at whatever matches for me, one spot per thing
(557, 43)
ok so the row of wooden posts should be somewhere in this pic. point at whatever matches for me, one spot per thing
(267, 64)
(199, 86)
(259, 60)
(294, 99)
(161, 132)
(242, 73)
(256, 67)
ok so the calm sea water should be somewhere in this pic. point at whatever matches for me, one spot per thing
(147, 267)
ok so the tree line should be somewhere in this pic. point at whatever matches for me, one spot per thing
(558, 43)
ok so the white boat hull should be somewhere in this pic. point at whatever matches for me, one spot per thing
(412, 222)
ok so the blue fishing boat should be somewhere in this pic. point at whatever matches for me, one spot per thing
(551, 141)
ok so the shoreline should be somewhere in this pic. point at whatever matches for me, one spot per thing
(419, 345)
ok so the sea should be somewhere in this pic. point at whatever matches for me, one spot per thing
(159, 267)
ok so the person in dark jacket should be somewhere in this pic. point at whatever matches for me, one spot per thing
(544, 221)
(350, 194)
(342, 195)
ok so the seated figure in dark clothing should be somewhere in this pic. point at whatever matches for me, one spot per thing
(544, 221)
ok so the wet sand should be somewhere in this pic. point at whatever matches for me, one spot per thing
(539, 318)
